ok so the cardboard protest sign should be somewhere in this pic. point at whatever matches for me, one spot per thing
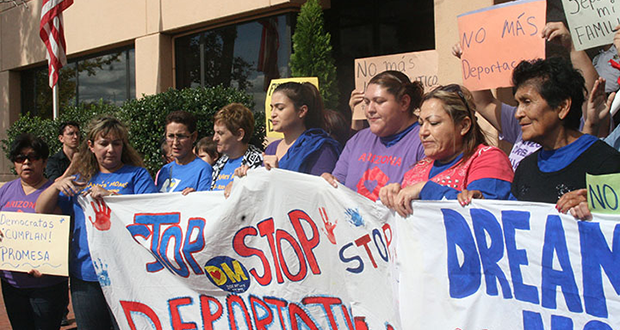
(495, 39)
(273, 256)
(603, 193)
(272, 86)
(34, 241)
(591, 22)
(418, 66)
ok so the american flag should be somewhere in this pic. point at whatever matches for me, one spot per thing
(53, 35)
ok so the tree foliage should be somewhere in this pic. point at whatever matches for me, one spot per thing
(312, 52)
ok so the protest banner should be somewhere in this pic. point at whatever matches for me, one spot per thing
(34, 241)
(275, 256)
(418, 66)
(591, 22)
(272, 86)
(495, 39)
(603, 192)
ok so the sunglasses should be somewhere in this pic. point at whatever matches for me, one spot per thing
(22, 158)
(454, 88)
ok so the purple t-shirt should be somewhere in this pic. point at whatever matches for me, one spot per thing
(366, 164)
(14, 199)
(511, 132)
(323, 162)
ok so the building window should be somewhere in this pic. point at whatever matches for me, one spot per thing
(108, 77)
(246, 56)
(365, 28)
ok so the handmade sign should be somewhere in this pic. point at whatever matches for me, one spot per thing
(34, 241)
(603, 193)
(418, 66)
(275, 256)
(591, 22)
(495, 39)
(272, 86)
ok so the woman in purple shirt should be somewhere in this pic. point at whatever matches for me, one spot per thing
(32, 300)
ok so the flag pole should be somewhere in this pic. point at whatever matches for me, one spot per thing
(55, 100)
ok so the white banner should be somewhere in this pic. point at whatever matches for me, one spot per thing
(288, 251)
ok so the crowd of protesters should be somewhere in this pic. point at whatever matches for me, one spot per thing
(415, 146)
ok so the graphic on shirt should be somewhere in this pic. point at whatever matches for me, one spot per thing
(169, 185)
(371, 182)
(329, 227)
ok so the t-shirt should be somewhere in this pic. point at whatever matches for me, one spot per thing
(175, 177)
(14, 199)
(127, 180)
(511, 132)
(56, 166)
(227, 174)
(366, 164)
(605, 70)
(532, 184)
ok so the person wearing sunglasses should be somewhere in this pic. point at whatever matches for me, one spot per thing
(457, 155)
(32, 300)
(186, 173)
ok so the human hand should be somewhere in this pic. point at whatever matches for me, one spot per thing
(406, 196)
(581, 211)
(571, 199)
(388, 194)
(35, 273)
(97, 192)
(330, 179)
(557, 32)
(242, 170)
(465, 196)
(187, 191)
(102, 215)
(228, 189)
(597, 107)
(270, 161)
(69, 186)
(356, 98)
(457, 50)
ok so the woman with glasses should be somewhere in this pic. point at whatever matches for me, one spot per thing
(383, 152)
(32, 301)
(186, 173)
(107, 165)
(457, 155)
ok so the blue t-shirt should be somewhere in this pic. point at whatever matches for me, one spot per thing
(175, 177)
(227, 174)
(127, 180)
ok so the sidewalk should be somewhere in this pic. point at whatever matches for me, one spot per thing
(6, 325)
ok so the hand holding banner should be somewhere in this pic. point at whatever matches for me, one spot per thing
(495, 39)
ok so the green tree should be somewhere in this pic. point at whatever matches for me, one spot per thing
(312, 52)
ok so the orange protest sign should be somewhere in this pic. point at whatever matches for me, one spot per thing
(418, 66)
(497, 38)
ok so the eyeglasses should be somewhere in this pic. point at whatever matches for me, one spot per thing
(180, 137)
(22, 158)
(454, 88)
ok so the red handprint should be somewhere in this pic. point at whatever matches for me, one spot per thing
(102, 216)
(329, 227)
